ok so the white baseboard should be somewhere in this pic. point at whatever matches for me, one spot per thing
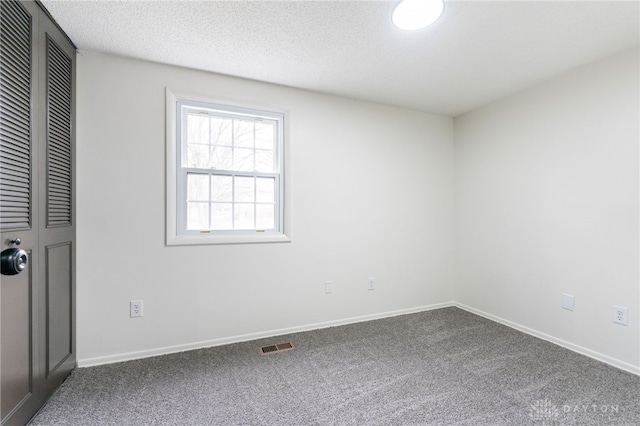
(568, 345)
(109, 359)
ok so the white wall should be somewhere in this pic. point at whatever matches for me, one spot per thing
(547, 203)
(371, 194)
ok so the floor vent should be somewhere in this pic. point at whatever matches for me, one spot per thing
(280, 347)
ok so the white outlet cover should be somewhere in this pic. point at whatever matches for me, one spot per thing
(328, 287)
(136, 308)
(568, 301)
(620, 315)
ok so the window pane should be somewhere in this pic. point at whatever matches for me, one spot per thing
(244, 216)
(244, 191)
(197, 216)
(197, 187)
(221, 158)
(243, 160)
(264, 161)
(265, 216)
(221, 216)
(265, 190)
(221, 187)
(197, 128)
(229, 169)
(265, 134)
(221, 131)
(243, 133)
(198, 156)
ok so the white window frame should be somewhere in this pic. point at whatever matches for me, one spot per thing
(176, 232)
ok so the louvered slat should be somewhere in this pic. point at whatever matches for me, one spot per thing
(15, 118)
(10, 175)
(58, 136)
(13, 125)
(15, 182)
(13, 143)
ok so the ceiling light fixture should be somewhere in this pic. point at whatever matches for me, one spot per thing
(417, 14)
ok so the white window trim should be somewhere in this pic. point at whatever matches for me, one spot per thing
(173, 237)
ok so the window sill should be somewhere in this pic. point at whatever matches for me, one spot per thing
(208, 239)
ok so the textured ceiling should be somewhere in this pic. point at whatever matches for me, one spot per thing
(478, 51)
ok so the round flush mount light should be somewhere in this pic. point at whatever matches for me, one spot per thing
(417, 14)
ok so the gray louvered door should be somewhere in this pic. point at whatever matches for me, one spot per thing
(18, 217)
(36, 205)
(57, 231)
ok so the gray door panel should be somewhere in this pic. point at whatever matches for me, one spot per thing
(17, 346)
(19, 217)
(37, 333)
(59, 306)
(57, 230)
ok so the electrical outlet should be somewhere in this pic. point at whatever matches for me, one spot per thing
(135, 308)
(372, 283)
(328, 287)
(620, 315)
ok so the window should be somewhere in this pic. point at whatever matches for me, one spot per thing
(225, 174)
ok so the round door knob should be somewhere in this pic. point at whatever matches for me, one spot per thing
(13, 261)
(16, 242)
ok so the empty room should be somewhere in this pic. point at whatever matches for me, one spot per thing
(416, 212)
